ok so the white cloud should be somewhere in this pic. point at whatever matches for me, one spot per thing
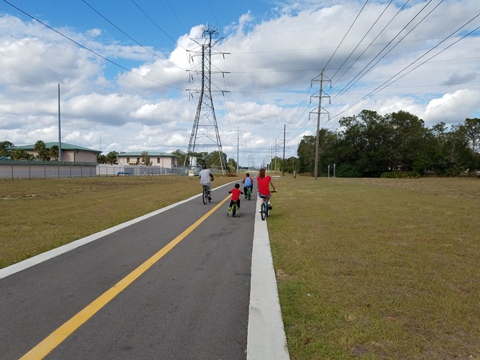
(453, 108)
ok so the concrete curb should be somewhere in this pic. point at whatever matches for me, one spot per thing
(266, 338)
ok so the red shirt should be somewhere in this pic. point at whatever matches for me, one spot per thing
(264, 185)
(235, 194)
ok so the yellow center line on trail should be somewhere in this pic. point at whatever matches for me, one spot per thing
(68, 328)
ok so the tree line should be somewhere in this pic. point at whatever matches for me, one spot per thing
(212, 159)
(373, 145)
(368, 144)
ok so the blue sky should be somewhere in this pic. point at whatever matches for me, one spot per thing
(124, 66)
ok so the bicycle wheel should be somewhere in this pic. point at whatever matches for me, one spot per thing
(263, 211)
(249, 194)
(234, 210)
(205, 195)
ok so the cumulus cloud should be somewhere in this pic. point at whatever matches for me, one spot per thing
(452, 108)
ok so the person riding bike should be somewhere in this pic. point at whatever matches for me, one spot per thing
(235, 196)
(205, 177)
(248, 183)
(264, 182)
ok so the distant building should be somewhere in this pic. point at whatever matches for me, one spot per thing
(161, 159)
(71, 153)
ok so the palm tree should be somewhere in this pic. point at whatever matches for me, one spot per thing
(21, 155)
(112, 157)
(53, 152)
(42, 152)
(145, 158)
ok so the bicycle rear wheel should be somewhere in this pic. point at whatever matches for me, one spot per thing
(263, 211)
(205, 195)
(249, 194)
(234, 210)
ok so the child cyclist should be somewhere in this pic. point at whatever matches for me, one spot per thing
(264, 182)
(247, 183)
(235, 196)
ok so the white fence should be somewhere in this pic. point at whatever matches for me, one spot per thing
(124, 170)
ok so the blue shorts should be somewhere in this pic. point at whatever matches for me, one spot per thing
(265, 196)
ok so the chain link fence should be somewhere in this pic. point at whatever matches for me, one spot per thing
(45, 170)
(124, 170)
(11, 169)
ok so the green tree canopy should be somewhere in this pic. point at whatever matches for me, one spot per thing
(4, 148)
(112, 157)
(146, 159)
(370, 144)
(101, 159)
(42, 152)
(21, 155)
(53, 152)
(181, 156)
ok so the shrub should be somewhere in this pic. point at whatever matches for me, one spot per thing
(348, 171)
(400, 175)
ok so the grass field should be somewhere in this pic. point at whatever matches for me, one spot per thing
(378, 268)
(366, 268)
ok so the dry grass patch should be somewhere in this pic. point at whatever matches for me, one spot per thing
(378, 268)
(39, 215)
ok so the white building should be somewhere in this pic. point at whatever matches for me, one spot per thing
(71, 153)
(161, 159)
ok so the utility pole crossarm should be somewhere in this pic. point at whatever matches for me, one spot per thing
(319, 112)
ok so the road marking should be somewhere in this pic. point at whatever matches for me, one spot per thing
(64, 331)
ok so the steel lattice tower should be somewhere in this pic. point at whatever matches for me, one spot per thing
(205, 128)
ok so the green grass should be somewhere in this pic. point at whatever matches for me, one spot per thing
(366, 268)
(39, 215)
(378, 268)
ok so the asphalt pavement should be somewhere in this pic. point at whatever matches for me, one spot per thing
(183, 282)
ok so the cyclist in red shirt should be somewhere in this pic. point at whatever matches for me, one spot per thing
(264, 182)
(235, 196)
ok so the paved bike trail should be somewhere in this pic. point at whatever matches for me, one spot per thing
(210, 295)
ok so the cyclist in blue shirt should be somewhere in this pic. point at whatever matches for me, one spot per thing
(248, 183)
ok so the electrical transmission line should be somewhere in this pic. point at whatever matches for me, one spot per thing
(319, 112)
(205, 127)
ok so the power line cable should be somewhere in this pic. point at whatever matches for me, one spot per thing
(213, 12)
(178, 19)
(392, 80)
(158, 26)
(88, 49)
(362, 73)
(131, 38)
(350, 28)
(356, 47)
(371, 43)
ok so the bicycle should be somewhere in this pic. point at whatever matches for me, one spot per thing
(233, 210)
(248, 193)
(205, 195)
(265, 209)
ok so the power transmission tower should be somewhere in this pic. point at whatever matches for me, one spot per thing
(205, 127)
(319, 112)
